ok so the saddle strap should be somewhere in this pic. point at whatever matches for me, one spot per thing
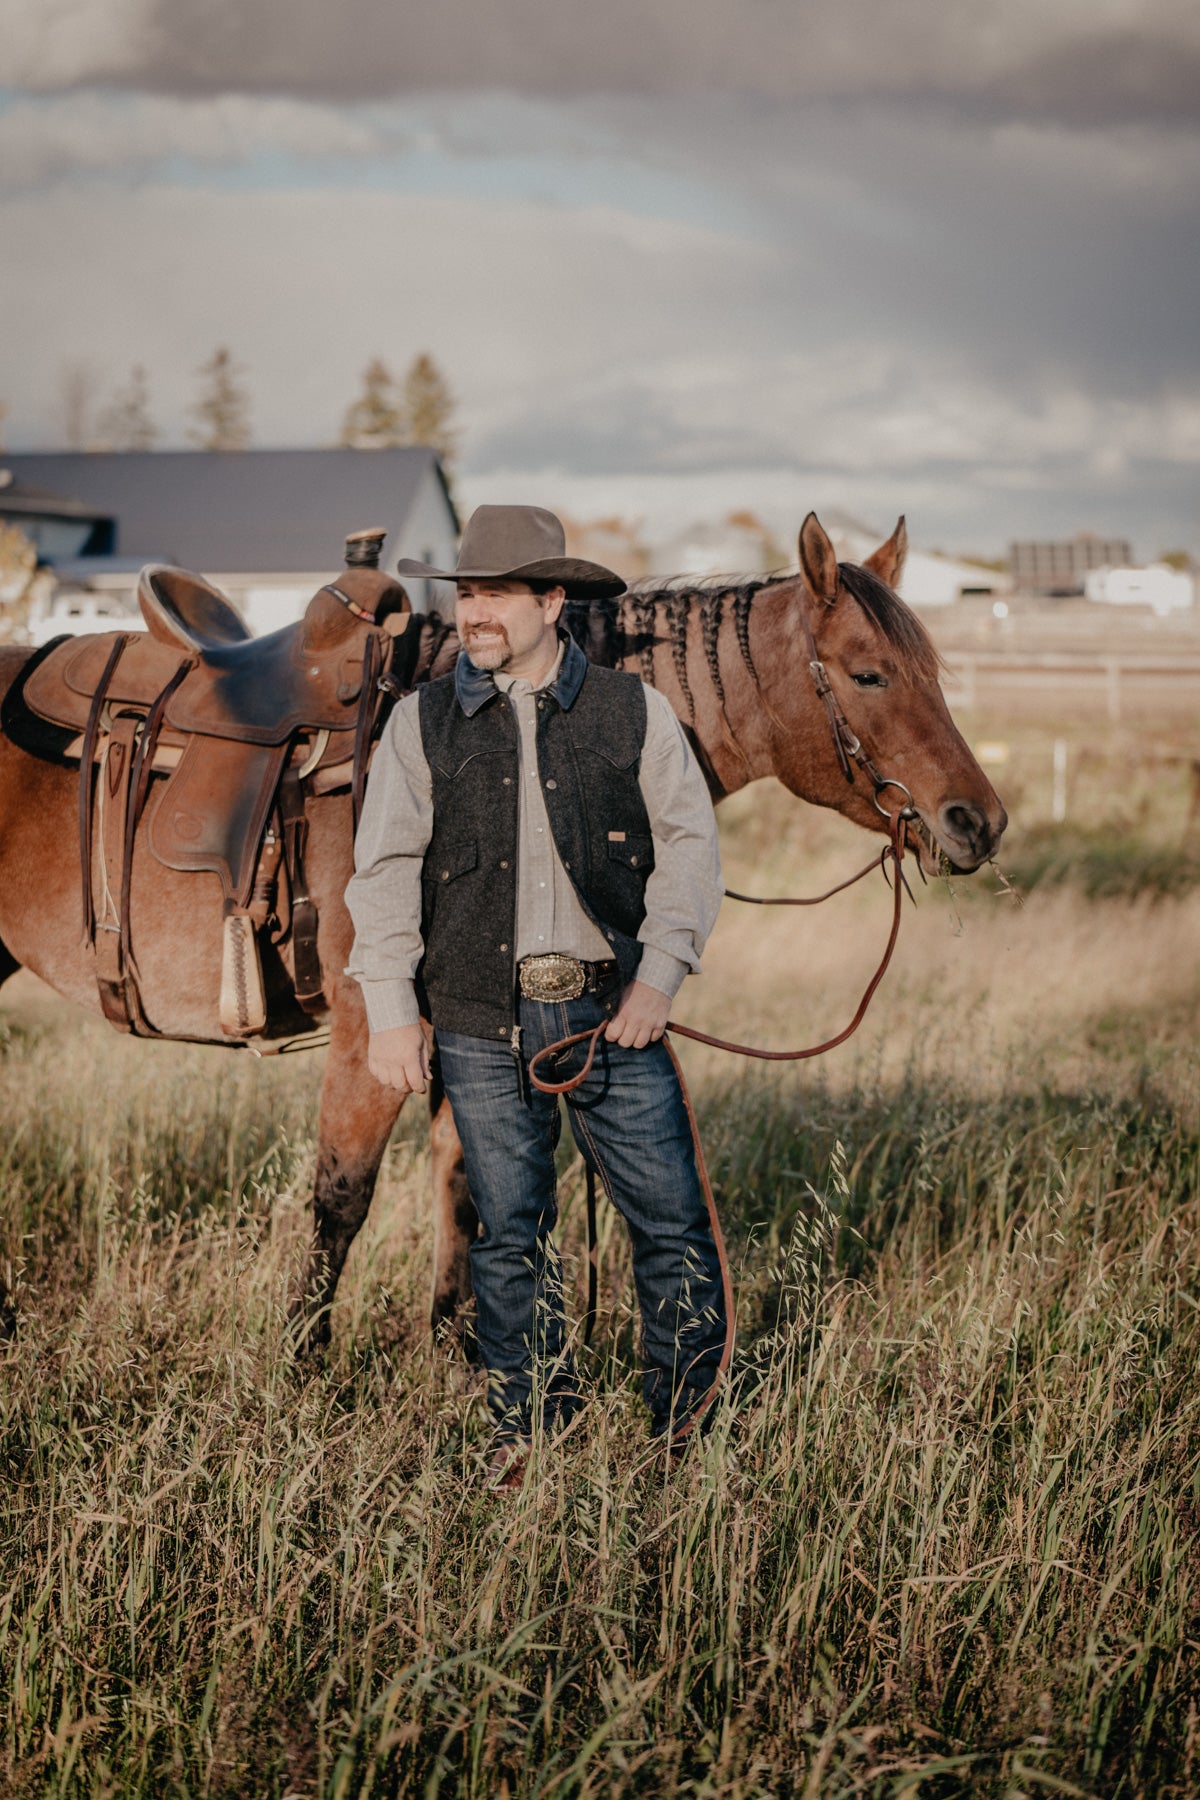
(113, 793)
(375, 701)
(306, 963)
(87, 757)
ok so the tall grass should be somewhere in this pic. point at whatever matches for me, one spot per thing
(944, 1538)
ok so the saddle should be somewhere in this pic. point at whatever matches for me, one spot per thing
(241, 729)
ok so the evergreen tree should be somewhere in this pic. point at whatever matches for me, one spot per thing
(125, 424)
(429, 408)
(375, 421)
(223, 409)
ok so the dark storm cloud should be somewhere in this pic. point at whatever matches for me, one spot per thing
(1082, 60)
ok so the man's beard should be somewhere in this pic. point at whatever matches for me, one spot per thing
(492, 653)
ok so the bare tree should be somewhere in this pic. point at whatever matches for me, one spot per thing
(125, 423)
(78, 385)
(222, 412)
(375, 421)
(429, 409)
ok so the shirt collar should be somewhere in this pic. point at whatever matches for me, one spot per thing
(474, 687)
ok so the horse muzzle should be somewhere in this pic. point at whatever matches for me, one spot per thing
(963, 833)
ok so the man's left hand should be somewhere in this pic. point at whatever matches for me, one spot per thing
(641, 1017)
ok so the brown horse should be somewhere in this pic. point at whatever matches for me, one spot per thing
(733, 659)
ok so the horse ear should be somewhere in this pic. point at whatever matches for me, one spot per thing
(888, 561)
(818, 560)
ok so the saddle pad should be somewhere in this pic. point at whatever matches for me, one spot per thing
(211, 811)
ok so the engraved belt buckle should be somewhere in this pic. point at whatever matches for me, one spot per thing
(552, 977)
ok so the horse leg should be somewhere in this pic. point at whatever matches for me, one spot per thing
(356, 1119)
(455, 1221)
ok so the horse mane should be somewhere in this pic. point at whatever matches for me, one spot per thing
(613, 630)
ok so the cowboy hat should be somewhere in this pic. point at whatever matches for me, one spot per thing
(520, 543)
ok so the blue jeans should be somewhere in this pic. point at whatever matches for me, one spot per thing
(629, 1122)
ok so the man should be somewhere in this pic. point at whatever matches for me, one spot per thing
(538, 854)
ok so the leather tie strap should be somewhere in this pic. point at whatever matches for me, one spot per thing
(87, 783)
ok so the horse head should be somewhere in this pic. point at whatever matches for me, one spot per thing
(880, 669)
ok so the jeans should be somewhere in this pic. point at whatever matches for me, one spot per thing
(629, 1121)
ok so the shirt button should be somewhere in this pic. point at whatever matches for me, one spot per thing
(552, 783)
(541, 884)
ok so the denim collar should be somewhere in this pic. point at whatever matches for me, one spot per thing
(474, 687)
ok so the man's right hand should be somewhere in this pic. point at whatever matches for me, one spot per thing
(400, 1058)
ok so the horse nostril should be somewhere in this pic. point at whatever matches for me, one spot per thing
(965, 822)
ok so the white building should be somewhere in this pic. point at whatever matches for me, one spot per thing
(1160, 587)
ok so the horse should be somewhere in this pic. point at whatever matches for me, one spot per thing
(758, 671)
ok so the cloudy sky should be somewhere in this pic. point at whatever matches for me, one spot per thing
(677, 257)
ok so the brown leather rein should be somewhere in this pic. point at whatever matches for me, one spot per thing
(849, 751)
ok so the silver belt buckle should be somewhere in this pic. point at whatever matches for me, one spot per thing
(552, 977)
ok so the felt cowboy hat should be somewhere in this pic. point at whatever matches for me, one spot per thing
(520, 543)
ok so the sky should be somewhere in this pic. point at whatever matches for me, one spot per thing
(676, 258)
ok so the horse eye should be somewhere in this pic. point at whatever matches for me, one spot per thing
(869, 678)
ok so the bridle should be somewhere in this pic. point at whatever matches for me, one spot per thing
(846, 743)
(850, 753)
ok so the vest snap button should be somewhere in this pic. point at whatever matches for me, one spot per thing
(508, 781)
(504, 946)
(633, 862)
(504, 865)
(552, 783)
(445, 874)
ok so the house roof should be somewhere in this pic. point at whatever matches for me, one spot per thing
(30, 502)
(245, 510)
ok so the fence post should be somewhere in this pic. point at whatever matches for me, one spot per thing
(1058, 803)
(1112, 670)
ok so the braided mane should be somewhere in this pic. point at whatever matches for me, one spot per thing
(629, 627)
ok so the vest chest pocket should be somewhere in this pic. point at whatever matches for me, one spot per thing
(444, 864)
(633, 850)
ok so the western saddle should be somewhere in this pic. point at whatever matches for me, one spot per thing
(242, 729)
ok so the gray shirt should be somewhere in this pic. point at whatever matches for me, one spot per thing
(683, 892)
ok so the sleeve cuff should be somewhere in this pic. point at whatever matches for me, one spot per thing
(662, 971)
(390, 1004)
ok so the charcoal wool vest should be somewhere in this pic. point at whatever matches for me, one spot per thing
(589, 748)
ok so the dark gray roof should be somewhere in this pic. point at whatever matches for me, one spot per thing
(247, 510)
(36, 503)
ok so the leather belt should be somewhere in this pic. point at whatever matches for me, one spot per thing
(558, 977)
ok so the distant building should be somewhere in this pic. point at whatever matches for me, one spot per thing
(1163, 589)
(266, 526)
(739, 544)
(1062, 568)
(56, 525)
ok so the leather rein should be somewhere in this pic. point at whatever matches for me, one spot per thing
(850, 753)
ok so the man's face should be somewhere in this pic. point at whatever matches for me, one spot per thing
(505, 625)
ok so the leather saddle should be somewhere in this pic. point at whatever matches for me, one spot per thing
(241, 728)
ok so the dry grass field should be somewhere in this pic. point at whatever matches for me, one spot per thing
(943, 1540)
